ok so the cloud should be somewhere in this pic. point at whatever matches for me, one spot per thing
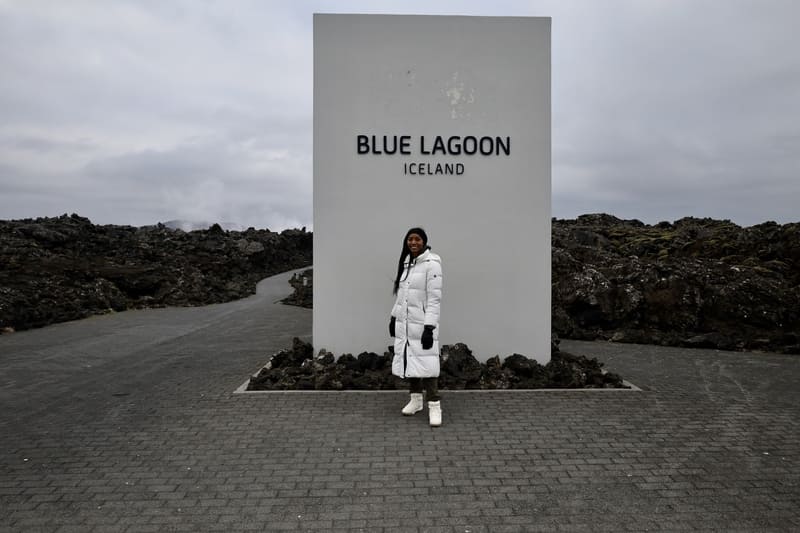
(134, 112)
(678, 108)
(249, 181)
(155, 111)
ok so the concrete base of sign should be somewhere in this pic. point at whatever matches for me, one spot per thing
(242, 389)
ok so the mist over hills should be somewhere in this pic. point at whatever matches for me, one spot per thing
(188, 225)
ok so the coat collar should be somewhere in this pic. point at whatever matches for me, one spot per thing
(421, 257)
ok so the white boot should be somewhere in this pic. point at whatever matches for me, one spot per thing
(414, 405)
(435, 413)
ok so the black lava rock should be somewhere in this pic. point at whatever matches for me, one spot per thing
(459, 368)
(65, 268)
(695, 282)
(303, 285)
(297, 369)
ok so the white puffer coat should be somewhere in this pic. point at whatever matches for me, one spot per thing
(416, 306)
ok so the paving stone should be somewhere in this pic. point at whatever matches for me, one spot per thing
(712, 441)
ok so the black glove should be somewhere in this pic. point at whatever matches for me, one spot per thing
(391, 327)
(427, 337)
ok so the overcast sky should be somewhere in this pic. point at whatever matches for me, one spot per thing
(134, 112)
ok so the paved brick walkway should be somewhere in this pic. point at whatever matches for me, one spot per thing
(128, 423)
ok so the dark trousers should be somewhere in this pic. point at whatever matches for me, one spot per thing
(431, 386)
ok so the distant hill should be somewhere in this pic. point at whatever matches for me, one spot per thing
(693, 282)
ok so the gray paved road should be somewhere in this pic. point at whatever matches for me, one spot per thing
(128, 423)
(137, 353)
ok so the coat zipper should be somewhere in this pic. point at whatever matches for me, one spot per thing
(405, 347)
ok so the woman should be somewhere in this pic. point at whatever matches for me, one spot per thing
(414, 323)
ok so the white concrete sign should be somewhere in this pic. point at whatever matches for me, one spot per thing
(441, 122)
